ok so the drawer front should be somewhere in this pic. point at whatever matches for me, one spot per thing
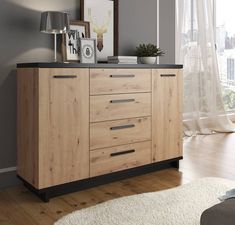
(112, 107)
(117, 81)
(119, 132)
(108, 160)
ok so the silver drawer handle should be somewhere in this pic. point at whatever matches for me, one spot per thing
(122, 153)
(122, 100)
(122, 127)
(65, 77)
(122, 76)
(168, 75)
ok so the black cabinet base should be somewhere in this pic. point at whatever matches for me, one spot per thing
(47, 193)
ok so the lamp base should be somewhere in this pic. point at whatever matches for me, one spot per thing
(55, 48)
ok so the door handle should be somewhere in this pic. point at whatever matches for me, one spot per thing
(168, 75)
(122, 153)
(122, 127)
(122, 76)
(65, 76)
(122, 100)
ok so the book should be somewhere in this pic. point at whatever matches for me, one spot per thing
(122, 59)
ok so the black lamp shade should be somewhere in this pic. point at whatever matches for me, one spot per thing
(54, 22)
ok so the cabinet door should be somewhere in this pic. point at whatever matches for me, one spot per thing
(167, 114)
(63, 126)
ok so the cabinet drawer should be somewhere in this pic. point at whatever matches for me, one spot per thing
(115, 81)
(111, 107)
(119, 132)
(108, 160)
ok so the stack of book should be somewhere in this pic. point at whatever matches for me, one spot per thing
(122, 59)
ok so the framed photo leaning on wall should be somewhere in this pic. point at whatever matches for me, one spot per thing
(103, 18)
(88, 50)
(71, 40)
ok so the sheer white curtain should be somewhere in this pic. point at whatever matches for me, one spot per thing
(195, 48)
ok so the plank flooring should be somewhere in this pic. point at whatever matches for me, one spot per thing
(204, 156)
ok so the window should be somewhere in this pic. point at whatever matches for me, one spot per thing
(224, 17)
(225, 42)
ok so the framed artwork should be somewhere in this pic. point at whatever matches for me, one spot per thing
(87, 50)
(103, 18)
(71, 40)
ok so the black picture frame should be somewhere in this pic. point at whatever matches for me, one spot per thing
(64, 47)
(115, 22)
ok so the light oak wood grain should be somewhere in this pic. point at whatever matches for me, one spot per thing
(167, 114)
(102, 82)
(66, 120)
(63, 126)
(112, 107)
(102, 161)
(27, 125)
(102, 135)
(53, 126)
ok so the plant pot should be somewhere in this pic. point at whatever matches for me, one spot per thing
(148, 60)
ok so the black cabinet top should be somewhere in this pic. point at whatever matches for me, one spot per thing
(98, 65)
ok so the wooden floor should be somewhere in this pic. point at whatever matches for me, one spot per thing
(212, 155)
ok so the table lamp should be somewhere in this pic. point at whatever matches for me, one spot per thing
(54, 23)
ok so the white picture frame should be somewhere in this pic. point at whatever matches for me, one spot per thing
(88, 51)
(103, 18)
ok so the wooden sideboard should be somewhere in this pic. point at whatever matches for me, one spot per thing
(83, 125)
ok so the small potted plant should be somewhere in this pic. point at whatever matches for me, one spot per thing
(148, 53)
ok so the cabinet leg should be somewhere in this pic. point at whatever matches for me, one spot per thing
(176, 164)
(45, 196)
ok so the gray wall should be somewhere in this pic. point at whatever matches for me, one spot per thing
(138, 24)
(167, 30)
(21, 41)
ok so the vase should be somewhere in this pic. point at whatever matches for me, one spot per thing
(148, 60)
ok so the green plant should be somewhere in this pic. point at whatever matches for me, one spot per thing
(148, 50)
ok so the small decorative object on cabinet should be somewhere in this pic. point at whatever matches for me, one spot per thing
(88, 50)
(148, 53)
(103, 18)
(70, 41)
(81, 125)
(54, 23)
(122, 59)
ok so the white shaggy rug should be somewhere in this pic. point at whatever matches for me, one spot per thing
(177, 206)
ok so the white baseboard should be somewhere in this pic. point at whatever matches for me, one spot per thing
(7, 170)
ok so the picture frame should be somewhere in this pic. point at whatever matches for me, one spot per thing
(71, 41)
(88, 50)
(103, 25)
